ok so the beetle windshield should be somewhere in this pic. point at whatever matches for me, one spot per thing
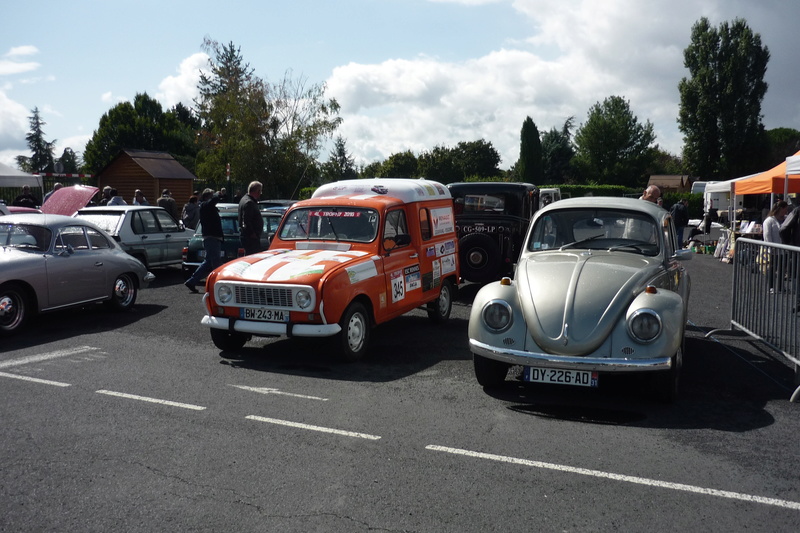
(596, 229)
(25, 237)
(353, 224)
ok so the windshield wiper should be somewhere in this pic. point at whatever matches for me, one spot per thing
(576, 243)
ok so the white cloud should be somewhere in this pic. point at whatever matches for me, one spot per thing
(13, 124)
(25, 50)
(183, 87)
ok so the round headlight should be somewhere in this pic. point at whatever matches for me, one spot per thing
(303, 298)
(224, 294)
(644, 325)
(497, 315)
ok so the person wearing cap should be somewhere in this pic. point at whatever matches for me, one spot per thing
(169, 204)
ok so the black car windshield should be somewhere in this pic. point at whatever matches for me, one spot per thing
(597, 229)
(25, 237)
(353, 224)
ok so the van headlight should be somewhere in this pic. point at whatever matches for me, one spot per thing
(224, 294)
(497, 315)
(303, 298)
(644, 325)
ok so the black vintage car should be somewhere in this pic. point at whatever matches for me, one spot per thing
(491, 221)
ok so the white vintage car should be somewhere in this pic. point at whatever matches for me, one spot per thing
(599, 288)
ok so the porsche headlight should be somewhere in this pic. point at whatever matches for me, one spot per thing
(303, 298)
(224, 294)
(497, 315)
(644, 325)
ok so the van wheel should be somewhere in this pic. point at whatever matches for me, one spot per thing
(439, 309)
(354, 337)
(480, 258)
(227, 341)
(488, 372)
(13, 308)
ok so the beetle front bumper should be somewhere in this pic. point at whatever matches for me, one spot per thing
(546, 360)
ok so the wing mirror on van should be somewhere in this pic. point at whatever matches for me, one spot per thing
(398, 241)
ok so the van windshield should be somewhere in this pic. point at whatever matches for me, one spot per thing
(334, 223)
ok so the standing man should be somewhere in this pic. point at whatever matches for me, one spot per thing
(651, 194)
(212, 238)
(168, 202)
(26, 199)
(680, 215)
(139, 199)
(48, 195)
(251, 225)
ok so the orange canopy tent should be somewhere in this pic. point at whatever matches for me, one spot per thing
(781, 179)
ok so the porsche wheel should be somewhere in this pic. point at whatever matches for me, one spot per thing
(123, 293)
(354, 337)
(14, 308)
(488, 372)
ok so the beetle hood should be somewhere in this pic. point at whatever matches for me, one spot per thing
(572, 301)
(297, 266)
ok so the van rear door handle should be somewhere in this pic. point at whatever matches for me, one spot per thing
(413, 256)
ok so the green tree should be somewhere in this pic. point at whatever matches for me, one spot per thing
(477, 159)
(69, 162)
(41, 159)
(612, 147)
(783, 142)
(720, 105)
(557, 154)
(531, 165)
(400, 165)
(340, 164)
(439, 164)
(141, 125)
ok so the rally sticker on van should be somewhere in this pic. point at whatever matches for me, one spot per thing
(398, 286)
(443, 221)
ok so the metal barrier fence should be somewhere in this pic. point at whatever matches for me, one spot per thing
(765, 300)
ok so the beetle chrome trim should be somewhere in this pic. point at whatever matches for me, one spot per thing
(546, 360)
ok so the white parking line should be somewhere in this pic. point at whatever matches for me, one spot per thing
(34, 380)
(313, 428)
(45, 356)
(151, 400)
(267, 390)
(619, 477)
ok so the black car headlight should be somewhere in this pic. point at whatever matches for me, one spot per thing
(644, 325)
(497, 315)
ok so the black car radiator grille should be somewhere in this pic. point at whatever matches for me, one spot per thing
(264, 296)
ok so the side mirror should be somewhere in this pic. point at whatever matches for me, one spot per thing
(391, 243)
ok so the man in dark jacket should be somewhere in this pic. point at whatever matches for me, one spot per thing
(212, 238)
(790, 230)
(680, 216)
(251, 225)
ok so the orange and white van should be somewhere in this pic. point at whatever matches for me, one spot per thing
(358, 253)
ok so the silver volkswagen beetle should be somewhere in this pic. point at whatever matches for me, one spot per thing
(599, 288)
(50, 262)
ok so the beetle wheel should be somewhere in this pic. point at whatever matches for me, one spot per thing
(665, 383)
(488, 372)
(354, 337)
(13, 308)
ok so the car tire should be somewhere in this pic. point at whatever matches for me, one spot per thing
(439, 309)
(665, 383)
(124, 292)
(228, 341)
(14, 308)
(480, 258)
(488, 372)
(354, 337)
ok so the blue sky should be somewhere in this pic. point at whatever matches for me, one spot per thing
(409, 74)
